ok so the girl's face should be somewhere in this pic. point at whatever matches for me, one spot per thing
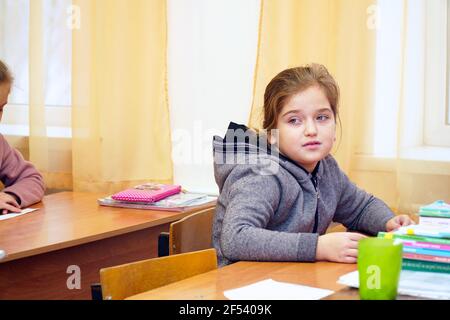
(4, 92)
(307, 128)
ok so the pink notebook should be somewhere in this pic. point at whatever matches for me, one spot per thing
(149, 192)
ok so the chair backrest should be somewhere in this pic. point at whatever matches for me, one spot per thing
(129, 279)
(192, 233)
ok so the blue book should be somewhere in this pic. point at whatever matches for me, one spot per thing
(430, 252)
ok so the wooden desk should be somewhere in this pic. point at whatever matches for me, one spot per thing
(211, 285)
(72, 229)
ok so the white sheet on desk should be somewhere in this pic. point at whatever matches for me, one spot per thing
(13, 215)
(274, 290)
(431, 285)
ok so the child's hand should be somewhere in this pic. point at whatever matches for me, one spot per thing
(339, 247)
(398, 221)
(8, 203)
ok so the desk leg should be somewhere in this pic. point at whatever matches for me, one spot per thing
(45, 276)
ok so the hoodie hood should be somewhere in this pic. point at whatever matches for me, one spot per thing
(244, 146)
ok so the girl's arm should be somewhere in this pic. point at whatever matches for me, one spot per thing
(20, 177)
(359, 210)
(253, 201)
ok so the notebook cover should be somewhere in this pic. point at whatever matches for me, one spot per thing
(148, 193)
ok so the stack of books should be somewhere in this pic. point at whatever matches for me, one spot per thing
(425, 247)
(151, 196)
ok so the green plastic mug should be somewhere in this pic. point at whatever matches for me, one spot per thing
(379, 267)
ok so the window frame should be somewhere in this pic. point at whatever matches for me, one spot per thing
(15, 121)
(436, 126)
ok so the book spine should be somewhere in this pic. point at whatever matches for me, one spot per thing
(426, 233)
(427, 252)
(137, 206)
(437, 214)
(427, 266)
(433, 221)
(426, 245)
(387, 235)
(424, 257)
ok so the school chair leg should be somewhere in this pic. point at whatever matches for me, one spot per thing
(163, 244)
(96, 291)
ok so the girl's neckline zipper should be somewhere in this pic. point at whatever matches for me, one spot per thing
(315, 183)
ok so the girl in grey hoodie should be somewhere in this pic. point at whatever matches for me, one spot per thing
(280, 188)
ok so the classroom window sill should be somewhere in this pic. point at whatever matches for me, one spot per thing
(59, 149)
(418, 160)
(19, 130)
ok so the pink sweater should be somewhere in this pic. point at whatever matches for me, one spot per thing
(20, 177)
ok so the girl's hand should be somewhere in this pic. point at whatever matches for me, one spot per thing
(8, 203)
(398, 221)
(338, 247)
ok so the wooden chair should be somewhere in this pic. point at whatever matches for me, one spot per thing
(129, 279)
(191, 233)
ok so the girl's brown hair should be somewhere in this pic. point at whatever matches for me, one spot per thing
(5, 74)
(293, 80)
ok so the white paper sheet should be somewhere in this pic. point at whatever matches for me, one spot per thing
(13, 215)
(274, 290)
(431, 285)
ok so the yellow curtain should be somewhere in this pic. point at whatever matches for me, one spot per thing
(120, 119)
(39, 151)
(331, 32)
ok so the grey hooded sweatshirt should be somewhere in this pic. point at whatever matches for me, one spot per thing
(271, 209)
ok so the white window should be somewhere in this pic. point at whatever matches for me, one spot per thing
(14, 51)
(448, 64)
(437, 126)
(412, 81)
(387, 76)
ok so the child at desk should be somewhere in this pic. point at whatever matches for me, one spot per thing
(23, 183)
(278, 207)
